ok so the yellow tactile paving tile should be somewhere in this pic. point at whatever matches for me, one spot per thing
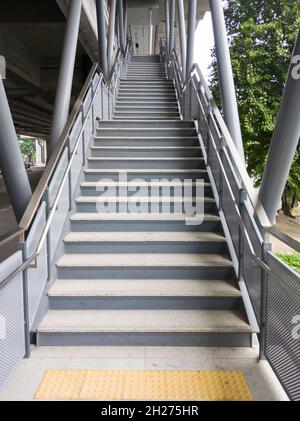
(143, 385)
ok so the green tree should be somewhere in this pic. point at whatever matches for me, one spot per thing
(262, 34)
(28, 148)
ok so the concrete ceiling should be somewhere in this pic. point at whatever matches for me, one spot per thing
(31, 39)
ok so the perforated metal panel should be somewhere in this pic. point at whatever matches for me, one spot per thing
(283, 326)
(12, 340)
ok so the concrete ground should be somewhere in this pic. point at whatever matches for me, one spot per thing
(260, 378)
(288, 226)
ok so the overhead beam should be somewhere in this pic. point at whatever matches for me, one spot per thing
(284, 142)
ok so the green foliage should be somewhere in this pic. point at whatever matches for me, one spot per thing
(291, 259)
(28, 147)
(262, 36)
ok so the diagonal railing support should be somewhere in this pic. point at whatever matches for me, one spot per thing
(66, 72)
(284, 142)
(182, 35)
(11, 161)
(190, 48)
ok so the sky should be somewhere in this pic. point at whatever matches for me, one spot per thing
(204, 42)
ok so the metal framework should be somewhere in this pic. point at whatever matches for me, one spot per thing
(270, 289)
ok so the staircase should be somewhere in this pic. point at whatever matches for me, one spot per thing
(144, 278)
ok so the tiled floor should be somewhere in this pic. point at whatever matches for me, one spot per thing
(28, 375)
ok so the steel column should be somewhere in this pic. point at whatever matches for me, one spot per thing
(102, 39)
(11, 161)
(111, 35)
(284, 142)
(66, 72)
(182, 33)
(167, 16)
(172, 25)
(121, 25)
(125, 21)
(227, 88)
(191, 35)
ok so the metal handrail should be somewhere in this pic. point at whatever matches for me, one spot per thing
(48, 173)
(245, 180)
(39, 192)
(50, 217)
(49, 170)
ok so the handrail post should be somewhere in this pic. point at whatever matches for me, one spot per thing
(266, 247)
(46, 198)
(83, 135)
(93, 107)
(242, 199)
(221, 190)
(70, 176)
(23, 248)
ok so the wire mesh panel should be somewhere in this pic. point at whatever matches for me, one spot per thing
(228, 205)
(252, 273)
(283, 325)
(12, 339)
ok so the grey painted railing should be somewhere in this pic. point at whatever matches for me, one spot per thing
(270, 289)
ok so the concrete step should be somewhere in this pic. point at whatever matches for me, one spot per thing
(135, 102)
(137, 203)
(145, 242)
(156, 108)
(117, 174)
(147, 131)
(139, 265)
(142, 294)
(150, 151)
(144, 327)
(145, 115)
(145, 125)
(115, 141)
(130, 222)
(162, 188)
(145, 97)
(146, 163)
